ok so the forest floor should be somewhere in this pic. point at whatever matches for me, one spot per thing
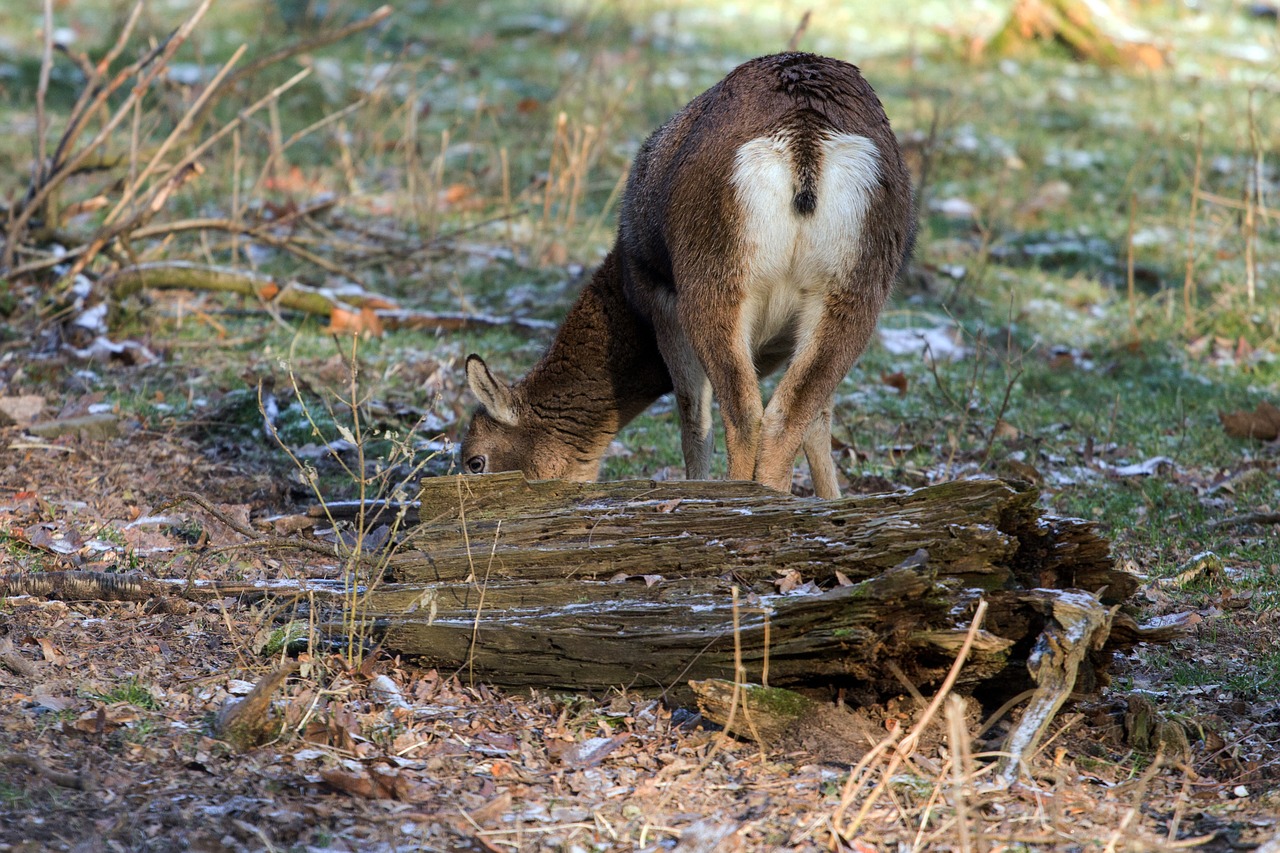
(1092, 308)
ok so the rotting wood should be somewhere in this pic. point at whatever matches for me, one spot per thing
(594, 635)
(1092, 31)
(1079, 624)
(987, 533)
(591, 586)
(82, 586)
(783, 720)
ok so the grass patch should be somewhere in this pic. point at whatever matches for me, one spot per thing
(132, 692)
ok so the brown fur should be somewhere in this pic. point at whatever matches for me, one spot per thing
(666, 308)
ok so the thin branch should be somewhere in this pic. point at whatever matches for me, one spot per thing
(178, 172)
(801, 28)
(42, 91)
(320, 40)
(291, 295)
(78, 781)
(1247, 518)
(183, 124)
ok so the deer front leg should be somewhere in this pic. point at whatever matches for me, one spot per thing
(693, 400)
(692, 392)
(817, 449)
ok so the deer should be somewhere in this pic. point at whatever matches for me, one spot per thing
(763, 225)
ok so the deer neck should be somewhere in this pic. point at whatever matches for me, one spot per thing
(603, 368)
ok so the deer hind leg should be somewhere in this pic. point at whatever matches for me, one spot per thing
(715, 336)
(799, 413)
(817, 449)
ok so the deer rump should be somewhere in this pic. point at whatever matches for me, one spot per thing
(763, 225)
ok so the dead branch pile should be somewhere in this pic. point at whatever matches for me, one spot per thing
(98, 220)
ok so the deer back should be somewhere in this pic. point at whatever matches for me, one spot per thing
(700, 200)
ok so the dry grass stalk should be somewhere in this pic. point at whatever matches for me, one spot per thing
(153, 174)
(1189, 281)
(1252, 202)
(1129, 266)
(363, 564)
(42, 91)
(575, 149)
(901, 748)
(793, 43)
(961, 775)
(484, 587)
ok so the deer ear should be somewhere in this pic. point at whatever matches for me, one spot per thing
(494, 394)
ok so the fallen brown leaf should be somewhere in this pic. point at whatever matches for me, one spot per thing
(350, 783)
(1262, 424)
(104, 718)
(343, 321)
(789, 581)
(896, 381)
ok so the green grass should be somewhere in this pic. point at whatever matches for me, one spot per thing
(14, 797)
(132, 692)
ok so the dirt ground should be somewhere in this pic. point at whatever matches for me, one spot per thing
(106, 744)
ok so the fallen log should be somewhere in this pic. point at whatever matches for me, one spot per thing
(642, 584)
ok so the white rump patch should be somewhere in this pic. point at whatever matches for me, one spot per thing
(790, 260)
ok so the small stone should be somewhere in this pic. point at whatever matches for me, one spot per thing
(20, 410)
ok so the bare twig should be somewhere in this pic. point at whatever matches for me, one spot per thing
(1247, 518)
(794, 42)
(1004, 407)
(205, 504)
(319, 40)
(131, 190)
(93, 78)
(78, 781)
(154, 199)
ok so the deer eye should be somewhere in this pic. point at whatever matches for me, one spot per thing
(476, 464)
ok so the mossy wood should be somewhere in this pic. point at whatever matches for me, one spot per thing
(591, 586)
